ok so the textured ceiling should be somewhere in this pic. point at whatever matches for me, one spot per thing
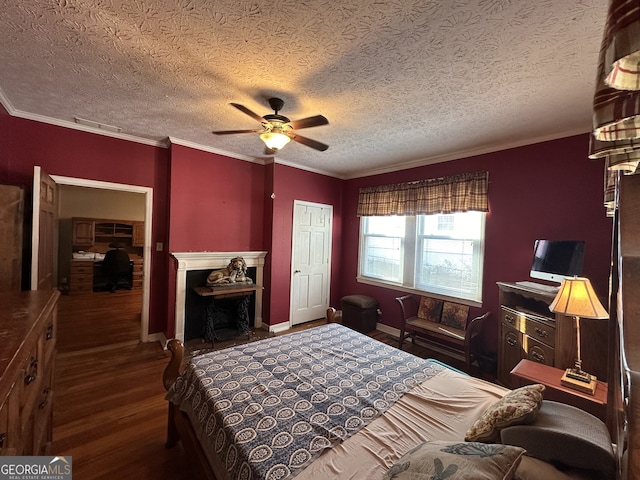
(402, 82)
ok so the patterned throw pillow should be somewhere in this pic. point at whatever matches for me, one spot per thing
(430, 309)
(517, 407)
(454, 461)
(455, 315)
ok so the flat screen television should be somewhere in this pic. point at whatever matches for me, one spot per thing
(555, 260)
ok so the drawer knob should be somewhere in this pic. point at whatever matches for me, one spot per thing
(44, 402)
(32, 373)
(512, 341)
(537, 357)
(49, 334)
(509, 319)
(3, 438)
(541, 333)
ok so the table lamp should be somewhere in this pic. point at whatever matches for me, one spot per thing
(576, 298)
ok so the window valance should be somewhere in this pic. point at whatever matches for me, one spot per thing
(458, 193)
(616, 103)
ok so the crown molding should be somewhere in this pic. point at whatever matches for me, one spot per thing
(217, 151)
(267, 160)
(466, 154)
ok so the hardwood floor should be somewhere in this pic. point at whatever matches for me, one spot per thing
(109, 408)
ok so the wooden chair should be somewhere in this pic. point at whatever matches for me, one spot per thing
(463, 345)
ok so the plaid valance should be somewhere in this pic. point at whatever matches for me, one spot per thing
(459, 193)
(616, 105)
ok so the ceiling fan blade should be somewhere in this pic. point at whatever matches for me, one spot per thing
(228, 132)
(245, 110)
(309, 122)
(308, 142)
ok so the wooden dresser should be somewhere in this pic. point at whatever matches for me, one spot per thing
(27, 355)
(529, 330)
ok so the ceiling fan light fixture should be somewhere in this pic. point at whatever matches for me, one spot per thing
(274, 140)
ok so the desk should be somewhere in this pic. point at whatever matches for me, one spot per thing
(86, 275)
(240, 291)
(527, 372)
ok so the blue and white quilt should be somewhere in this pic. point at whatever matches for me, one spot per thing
(268, 408)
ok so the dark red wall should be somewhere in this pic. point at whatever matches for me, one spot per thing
(217, 203)
(203, 201)
(72, 153)
(293, 184)
(546, 190)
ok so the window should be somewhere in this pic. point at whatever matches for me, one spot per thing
(441, 254)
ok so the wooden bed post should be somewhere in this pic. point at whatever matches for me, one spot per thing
(169, 377)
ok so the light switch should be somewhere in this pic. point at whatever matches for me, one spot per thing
(159, 246)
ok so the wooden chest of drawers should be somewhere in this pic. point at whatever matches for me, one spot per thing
(27, 356)
(529, 330)
(81, 276)
(136, 276)
(526, 336)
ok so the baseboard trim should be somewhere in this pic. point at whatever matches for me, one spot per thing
(279, 327)
(388, 329)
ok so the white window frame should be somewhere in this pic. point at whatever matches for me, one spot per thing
(410, 258)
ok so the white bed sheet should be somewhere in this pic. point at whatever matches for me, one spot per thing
(442, 408)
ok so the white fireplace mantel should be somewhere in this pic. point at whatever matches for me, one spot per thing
(188, 261)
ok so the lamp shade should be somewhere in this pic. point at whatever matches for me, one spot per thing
(576, 298)
(274, 140)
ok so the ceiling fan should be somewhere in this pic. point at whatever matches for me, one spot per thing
(278, 130)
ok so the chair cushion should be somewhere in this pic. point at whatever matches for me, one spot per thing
(430, 309)
(455, 315)
(516, 407)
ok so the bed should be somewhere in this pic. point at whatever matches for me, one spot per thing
(330, 402)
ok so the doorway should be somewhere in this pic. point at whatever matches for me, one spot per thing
(310, 261)
(146, 194)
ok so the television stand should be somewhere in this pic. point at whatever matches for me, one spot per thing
(528, 329)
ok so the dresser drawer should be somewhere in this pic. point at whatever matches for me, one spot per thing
(47, 341)
(79, 268)
(512, 318)
(542, 332)
(43, 415)
(29, 382)
(81, 279)
(539, 352)
(4, 429)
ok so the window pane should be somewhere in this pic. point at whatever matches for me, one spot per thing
(447, 263)
(439, 254)
(389, 226)
(457, 225)
(381, 255)
(383, 258)
(449, 254)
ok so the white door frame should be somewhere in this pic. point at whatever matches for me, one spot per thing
(330, 253)
(148, 215)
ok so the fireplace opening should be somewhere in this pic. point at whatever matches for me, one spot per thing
(224, 313)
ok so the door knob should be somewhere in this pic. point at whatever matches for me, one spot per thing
(296, 271)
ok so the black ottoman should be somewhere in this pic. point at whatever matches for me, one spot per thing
(360, 312)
